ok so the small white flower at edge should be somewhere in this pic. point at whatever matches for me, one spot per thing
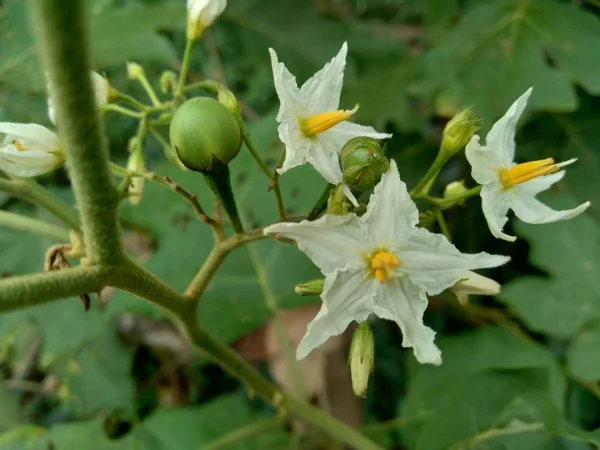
(101, 88)
(202, 14)
(507, 185)
(380, 263)
(29, 150)
(476, 284)
(310, 124)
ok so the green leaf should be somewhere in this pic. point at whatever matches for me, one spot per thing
(500, 48)
(235, 300)
(90, 436)
(568, 251)
(98, 377)
(467, 354)
(186, 428)
(26, 437)
(10, 413)
(117, 35)
(490, 409)
(583, 355)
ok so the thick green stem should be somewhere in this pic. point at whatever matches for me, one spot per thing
(39, 227)
(239, 435)
(31, 191)
(219, 181)
(30, 290)
(63, 41)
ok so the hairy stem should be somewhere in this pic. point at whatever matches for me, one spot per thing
(63, 41)
(216, 257)
(31, 191)
(35, 226)
(30, 290)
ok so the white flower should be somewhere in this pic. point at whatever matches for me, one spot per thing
(507, 185)
(310, 126)
(28, 150)
(201, 15)
(473, 283)
(380, 263)
(101, 89)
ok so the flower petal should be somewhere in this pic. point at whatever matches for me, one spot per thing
(101, 89)
(404, 303)
(434, 264)
(340, 134)
(322, 91)
(501, 137)
(495, 202)
(533, 187)
(391, 213)
(331, 242)
(325, 160)
(347, 296)
(531, 210)
(29, 163)
(474, 284)
(296, 146)
(289, 95)
(484, 160)
(42, 137)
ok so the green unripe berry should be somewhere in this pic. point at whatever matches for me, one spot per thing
(363, 163)
(203, 129)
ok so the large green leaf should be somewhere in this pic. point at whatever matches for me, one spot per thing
(500, 48)
(493, 409)
(583, 355)
(563, 302)
(26, 437)
(471, 353)
(186, 428)
(117, 35)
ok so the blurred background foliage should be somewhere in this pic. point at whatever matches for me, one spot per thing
(520, 371)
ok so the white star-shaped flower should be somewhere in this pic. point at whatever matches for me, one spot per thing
(310, 124)
(29, 150)
(380, 263)
(101, 88)
(507, 185)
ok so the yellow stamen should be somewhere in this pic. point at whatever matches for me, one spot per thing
(527, 171)
(19, 146)
(324, 121)
(381, 262)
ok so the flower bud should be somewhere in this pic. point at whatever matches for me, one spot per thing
(313, 287)
(103, 94)
(135, 71)
(363, 163)
(168, 81)
(29, 150)
(136, 163)
(361, 358)
(201, 15)
(455, 189)
(336, 204)
(203, 129)
(228, 100)
(475, 284)
(459, 131)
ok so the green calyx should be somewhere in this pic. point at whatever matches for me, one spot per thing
(203, 130)
(363, 163)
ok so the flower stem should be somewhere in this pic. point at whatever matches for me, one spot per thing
(445, 203)
(143, 79)
(31, 191)
(122, 110)
(439, 215)
(253, 150)
(321, 203)
(132, 101)
(421, 188)
(63, 41)
(185, 66)
(39, 227)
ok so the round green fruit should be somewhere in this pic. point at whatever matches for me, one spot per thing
(363, 163)
(201, 130)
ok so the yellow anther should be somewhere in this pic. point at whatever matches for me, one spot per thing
(19, 146)
(324, 121)
(527, 171)
(381, 262)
